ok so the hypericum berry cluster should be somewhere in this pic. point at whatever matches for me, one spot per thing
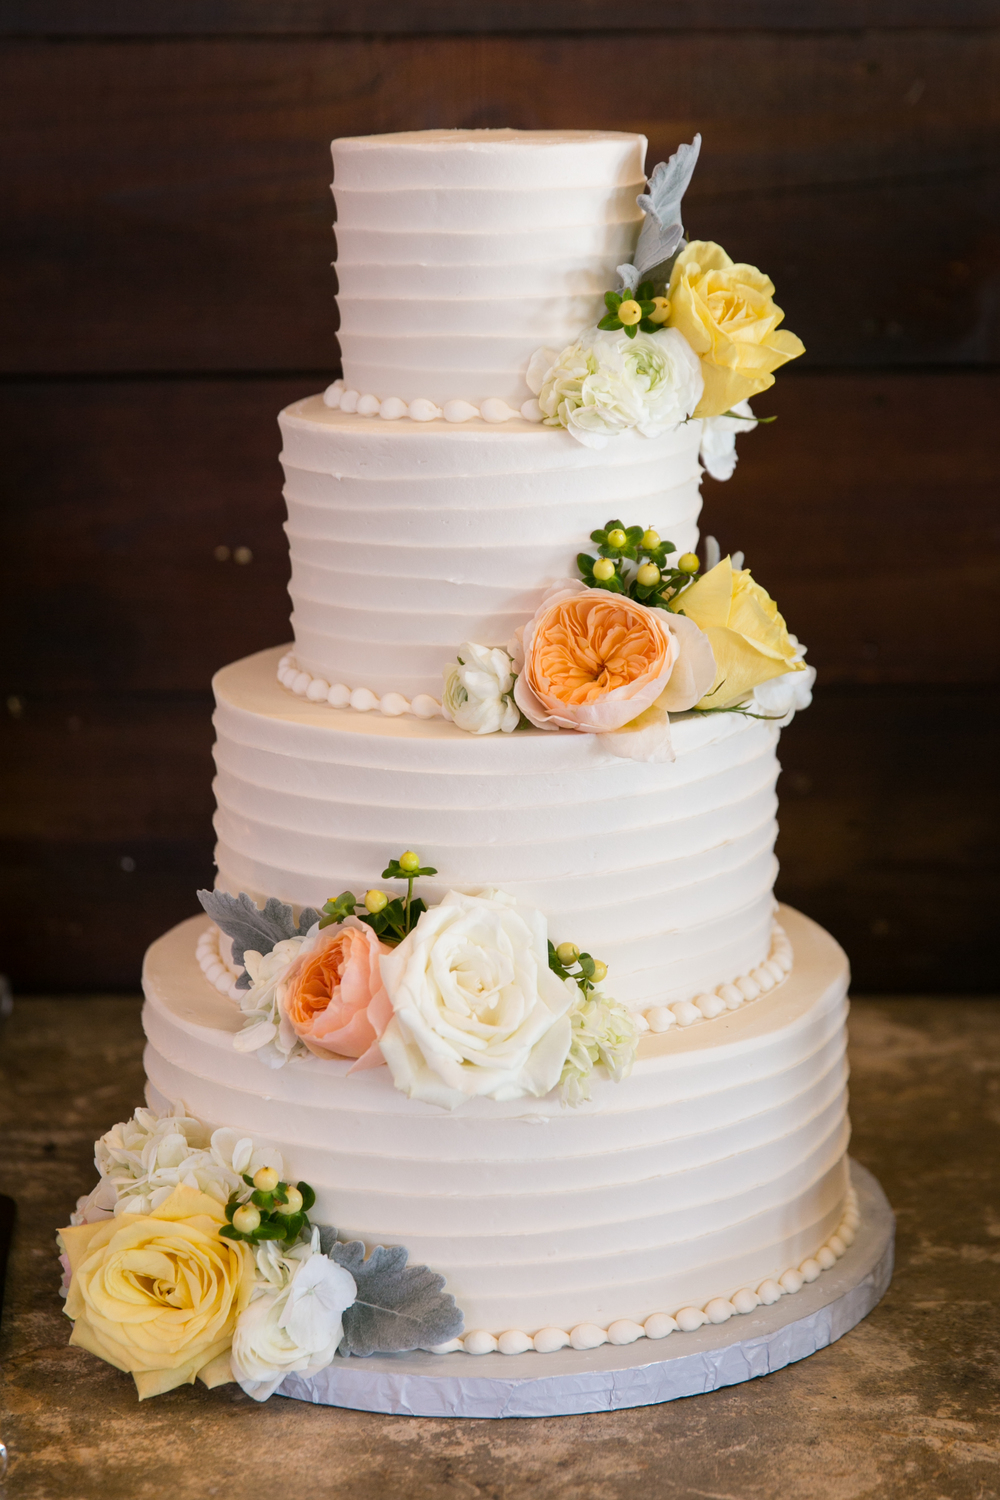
(276, 1210)
(389, 917)
(569, 963)
(652, 581)
(635, 312)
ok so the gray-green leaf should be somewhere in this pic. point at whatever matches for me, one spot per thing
(662, 230)
(398, 1307)
(240, 918)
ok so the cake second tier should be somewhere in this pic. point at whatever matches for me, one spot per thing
(409, 538)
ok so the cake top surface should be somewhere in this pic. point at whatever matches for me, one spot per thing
(488, 158)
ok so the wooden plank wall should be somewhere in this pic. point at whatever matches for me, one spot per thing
(164, 246)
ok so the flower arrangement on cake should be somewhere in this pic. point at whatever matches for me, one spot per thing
(193, 1260)
(465, 999)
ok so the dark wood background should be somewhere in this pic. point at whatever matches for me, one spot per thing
(165, 239)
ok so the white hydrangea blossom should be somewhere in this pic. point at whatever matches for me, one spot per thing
(788, 694)
(607, 383)
(478, 690)
(267, 1030)
(602, 1032)
(142, 1160)
(718, 440)
(294, 1320)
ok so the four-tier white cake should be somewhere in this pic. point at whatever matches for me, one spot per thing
(437, 495)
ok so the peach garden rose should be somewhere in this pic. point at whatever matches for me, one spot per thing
(334, 997)
(596, 662)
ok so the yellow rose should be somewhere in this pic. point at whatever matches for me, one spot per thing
(159, 1294)
(748, 636)
(726, 314)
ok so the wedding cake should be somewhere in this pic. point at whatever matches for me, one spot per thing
(491, 1036)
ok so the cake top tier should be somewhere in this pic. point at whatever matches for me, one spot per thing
(461, 252)
(519, 159)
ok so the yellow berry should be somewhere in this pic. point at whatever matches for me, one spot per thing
(629, 312)
(376, 901)
(661, 310)
(265, 1179)
(688, 562)
(604, 569)
(650, 540)
(294, 1203)
(647, 575)
(600, 971)
(246, 1219)
(409, 861)
(617, 537)
(567, 953)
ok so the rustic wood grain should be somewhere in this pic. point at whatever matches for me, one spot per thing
(124, 490)
(167, 205)
(338, 17)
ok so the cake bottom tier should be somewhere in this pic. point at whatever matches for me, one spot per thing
(717, 1167)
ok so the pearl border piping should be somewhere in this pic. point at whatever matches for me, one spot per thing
(659, 1325)
(767, 976)
(340, 397)
(216, 969)
(338, 695)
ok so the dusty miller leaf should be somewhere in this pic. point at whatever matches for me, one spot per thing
(240, 919)
(662, 230)
(398, 1307)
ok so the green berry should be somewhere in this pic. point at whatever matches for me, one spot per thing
(604, 569)
(650, 540)
(688, 562)
(376, 901)
(567, 953)
(600, 971)
(265, 1179)
(617, 537)
(648, 575)
(409, 861)
(293, 1205)
(246, 1219)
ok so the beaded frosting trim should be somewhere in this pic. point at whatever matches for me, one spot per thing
(338, 695)
(216, 968)
(659, 1325)
(767, 976)
(340, 397)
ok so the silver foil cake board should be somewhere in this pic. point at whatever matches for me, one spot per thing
(641, 1374)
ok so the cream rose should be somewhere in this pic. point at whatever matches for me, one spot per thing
(159, 1294)
(748, 636)
(601, 663)
(477, 1010)
(727, 314)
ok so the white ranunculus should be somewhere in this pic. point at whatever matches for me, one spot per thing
(718, 440)
(142, 1160)
(785, 695)
(606, 383)
(477, 690)
(294, 1320)
(267, 1029)
(476, 1009)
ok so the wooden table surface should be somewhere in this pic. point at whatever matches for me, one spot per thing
(905, 1405)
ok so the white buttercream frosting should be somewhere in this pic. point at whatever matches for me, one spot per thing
(407, 538)
(717, 1166)
(665, 871)
(460, 251)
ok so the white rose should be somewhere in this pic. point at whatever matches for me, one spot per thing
(477, 690)
(785, 695)
(606, 383)
(718, 440)
(294, 1320)
(477, 1010)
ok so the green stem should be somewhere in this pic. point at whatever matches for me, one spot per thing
(406, 910)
